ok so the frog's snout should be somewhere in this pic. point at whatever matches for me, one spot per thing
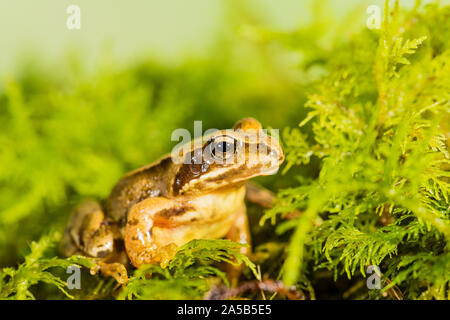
(276, 152)
(280, 157)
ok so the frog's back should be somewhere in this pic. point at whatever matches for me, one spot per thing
(146, 182)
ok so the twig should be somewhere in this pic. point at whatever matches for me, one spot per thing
(223, 292)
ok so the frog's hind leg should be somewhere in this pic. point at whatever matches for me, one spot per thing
(258, 195)
(239, 232)
(89, 233)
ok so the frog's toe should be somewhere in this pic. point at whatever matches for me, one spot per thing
(166, 254)
(115, 270)
(153, 255)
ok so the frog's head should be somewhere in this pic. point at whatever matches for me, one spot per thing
(228, 158)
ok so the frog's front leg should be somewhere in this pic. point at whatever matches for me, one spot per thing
(139, 239)
(239, 232)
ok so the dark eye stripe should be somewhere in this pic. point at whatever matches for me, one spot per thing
(194, 169)
(187, 173)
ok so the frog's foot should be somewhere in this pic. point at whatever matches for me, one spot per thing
(166, 253)
(161, 255)
(115, 270)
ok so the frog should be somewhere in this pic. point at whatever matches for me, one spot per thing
(199, 193)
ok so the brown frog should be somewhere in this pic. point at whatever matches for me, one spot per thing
(157, 208)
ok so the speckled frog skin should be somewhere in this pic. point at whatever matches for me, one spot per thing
(155, 209)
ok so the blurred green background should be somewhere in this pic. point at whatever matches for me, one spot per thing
(169, 30)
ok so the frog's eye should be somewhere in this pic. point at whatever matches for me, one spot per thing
(221, 149)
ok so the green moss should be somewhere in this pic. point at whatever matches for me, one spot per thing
(379, 128)
(189, 275)
(16, 283)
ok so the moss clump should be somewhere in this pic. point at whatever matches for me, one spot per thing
(380, 130)
(189, 275)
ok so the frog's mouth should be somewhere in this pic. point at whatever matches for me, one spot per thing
(225, 177)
